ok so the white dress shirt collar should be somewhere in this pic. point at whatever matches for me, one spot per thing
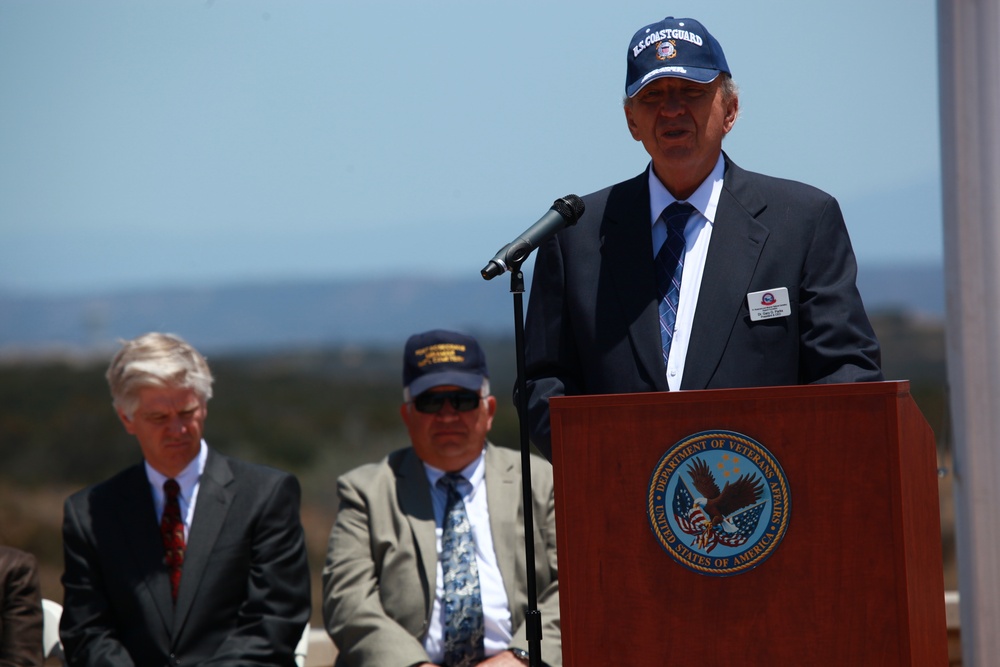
(705, 199)
(187, 480)
(473, 473)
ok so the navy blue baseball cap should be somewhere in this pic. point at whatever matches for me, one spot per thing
(438, 358)
(679, 48)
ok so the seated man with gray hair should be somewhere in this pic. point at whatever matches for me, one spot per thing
(188, 557)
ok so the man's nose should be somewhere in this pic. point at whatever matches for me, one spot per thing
(672, 106)
(447, 411)
(178, 425)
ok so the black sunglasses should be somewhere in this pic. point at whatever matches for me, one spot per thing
(432, 402)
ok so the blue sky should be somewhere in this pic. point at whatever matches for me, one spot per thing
(177, 143)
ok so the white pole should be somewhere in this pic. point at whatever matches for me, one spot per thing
(969, 54)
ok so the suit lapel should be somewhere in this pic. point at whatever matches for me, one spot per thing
(737, 241)
(501, 491)
(414, 495)
(145, 544)
(215, 497)
(627, 249)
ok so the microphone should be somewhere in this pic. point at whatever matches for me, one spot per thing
(564, 212)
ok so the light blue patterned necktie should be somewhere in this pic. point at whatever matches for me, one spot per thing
(669, 268)
(463, 604)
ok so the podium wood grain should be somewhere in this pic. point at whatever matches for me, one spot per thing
(857, 579)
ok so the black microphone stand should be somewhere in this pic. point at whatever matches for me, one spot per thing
(564, 212)
(532, 616)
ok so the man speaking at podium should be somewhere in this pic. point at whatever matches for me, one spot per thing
(695, 274)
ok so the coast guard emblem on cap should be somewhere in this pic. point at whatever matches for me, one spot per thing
(711, 530)
(666, 50)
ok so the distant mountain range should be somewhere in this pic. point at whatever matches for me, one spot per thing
(381, 312)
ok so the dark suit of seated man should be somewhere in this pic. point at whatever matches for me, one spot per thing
(395, 550)
(190, 557)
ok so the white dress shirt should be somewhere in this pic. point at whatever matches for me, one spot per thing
(697, 235)
(496, 611)
(188, 480)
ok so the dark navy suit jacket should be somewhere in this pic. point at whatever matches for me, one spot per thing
(244, 591)
(592, 325)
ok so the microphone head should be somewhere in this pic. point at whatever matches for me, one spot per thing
(569, 207)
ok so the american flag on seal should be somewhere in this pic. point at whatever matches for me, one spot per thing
(693, 520)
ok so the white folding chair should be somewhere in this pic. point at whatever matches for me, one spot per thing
(302, 648)
(51, 613)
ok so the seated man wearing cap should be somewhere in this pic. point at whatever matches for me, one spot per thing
(695, 274)
(426, 558)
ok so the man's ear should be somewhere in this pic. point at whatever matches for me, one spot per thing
(732, 113)
(491, 411)
(633, 130)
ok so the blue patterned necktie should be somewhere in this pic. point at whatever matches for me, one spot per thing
(669, 267)
(463, 604)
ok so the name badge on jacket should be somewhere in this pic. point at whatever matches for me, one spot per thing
(768, 304)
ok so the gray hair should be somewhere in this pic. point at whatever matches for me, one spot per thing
(484, 391)
(729, 90)
(156, 360)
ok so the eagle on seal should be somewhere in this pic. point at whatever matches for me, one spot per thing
(734, 496)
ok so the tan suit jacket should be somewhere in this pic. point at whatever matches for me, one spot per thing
(380, 574)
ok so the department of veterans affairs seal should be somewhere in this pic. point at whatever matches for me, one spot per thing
(713, 531)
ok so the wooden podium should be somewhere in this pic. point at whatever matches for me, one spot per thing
(856, 580)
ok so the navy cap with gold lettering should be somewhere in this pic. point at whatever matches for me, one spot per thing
(438, 358)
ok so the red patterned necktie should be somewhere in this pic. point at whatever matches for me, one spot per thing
(172, 530)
